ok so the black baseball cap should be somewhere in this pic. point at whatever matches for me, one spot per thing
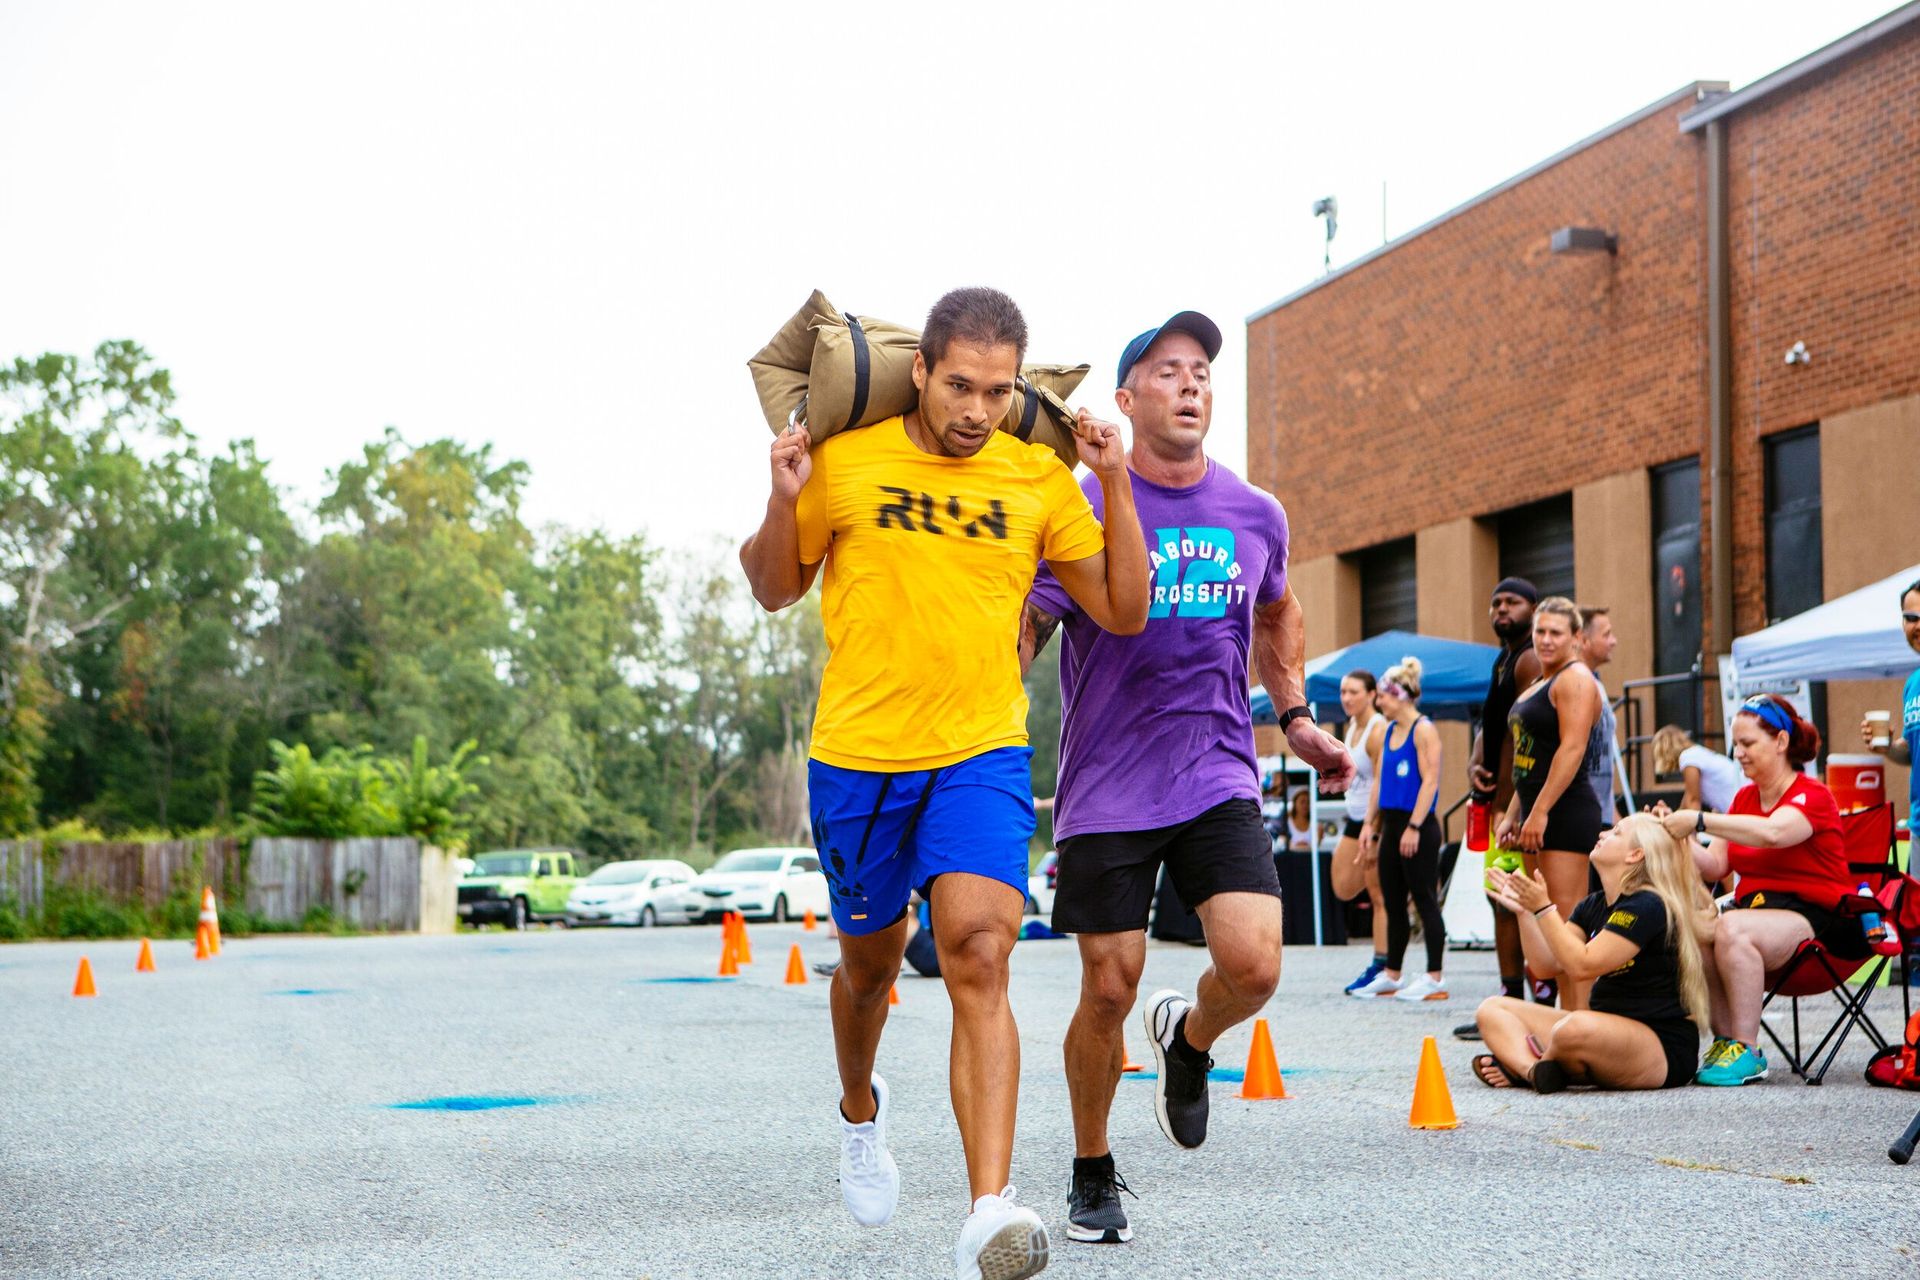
(1192, 323)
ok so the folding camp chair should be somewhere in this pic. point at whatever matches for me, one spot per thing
(1814, 969)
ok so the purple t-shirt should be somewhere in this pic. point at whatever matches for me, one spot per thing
(1155, 729)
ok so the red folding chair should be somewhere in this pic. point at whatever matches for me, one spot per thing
(1814, 969)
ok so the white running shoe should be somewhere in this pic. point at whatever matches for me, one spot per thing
(1001, 1241)
(869, 1179)
(1381, 985)
(1422, 987)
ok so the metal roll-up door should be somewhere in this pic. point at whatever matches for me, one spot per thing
(1536, 543)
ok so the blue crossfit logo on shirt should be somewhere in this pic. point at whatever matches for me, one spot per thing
(1194, 573)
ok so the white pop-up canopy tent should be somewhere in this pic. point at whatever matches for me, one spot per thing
(1856, 637)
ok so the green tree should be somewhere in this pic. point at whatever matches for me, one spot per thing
(338, 794)
(710, 660)
(132, 571)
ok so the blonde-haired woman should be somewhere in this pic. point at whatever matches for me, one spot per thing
(1554, 818)
(1641, 941)
(1709, 779)
(1401, 820)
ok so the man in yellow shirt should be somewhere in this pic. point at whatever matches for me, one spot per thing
(931, 526)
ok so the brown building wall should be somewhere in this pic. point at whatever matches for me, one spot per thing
(1486, 370)
(1490, 372)
(1824, 193)
(1870, 470)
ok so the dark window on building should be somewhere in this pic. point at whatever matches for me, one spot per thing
(1676, 590)
(1389, 588)
(1536, 543)
(1796, 570)
(1796, 579)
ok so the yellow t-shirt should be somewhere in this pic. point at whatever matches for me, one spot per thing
(929, 560)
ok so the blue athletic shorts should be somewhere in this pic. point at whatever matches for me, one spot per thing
(883, 835)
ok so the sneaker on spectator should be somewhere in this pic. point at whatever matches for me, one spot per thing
(1378, 985)
(1366, 975)
(1735, 1064)
(1420, 987)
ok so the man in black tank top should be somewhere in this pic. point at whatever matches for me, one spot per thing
(1490, 763)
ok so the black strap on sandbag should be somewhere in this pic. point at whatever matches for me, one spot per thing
(862, 372)
(1030, 413)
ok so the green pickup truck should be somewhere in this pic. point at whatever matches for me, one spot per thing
(517, 885)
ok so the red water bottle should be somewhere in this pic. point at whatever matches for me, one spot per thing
(1479, 823)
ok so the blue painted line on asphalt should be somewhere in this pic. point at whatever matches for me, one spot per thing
(651, 981)
(475, 1102)
(1231, 1075)
(310, 991)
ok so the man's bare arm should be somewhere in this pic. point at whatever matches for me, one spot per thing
(1036, 628)
(1280, 650)
(771, 557)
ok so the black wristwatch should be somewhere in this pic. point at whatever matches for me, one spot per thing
(1291, 714)
(1700, 822)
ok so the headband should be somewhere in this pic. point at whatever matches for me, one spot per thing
(1518, 587)
(1394, 689)
(1767, 710)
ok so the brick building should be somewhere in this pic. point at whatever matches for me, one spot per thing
(1466, 401)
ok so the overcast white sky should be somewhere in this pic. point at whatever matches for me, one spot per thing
(563, 228)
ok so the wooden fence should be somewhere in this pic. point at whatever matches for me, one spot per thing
(129, 872)
(392, 884)
(373, 883)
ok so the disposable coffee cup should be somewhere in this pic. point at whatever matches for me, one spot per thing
(1881, 722)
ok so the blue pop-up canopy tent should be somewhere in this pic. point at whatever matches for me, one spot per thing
(1453, 676)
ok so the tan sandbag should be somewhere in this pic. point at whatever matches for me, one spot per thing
(835, 372)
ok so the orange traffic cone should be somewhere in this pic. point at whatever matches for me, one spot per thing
(83, 980)
(740, 943)
(893, 994)
(1263, 1069)
(796, 968)
(1432, 1102)
(808, 923)
(1126, 1059)
(211, 919)
(202, 950)
(145, 963)
(729, 959)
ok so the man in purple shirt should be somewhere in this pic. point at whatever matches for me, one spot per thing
(1157, 762)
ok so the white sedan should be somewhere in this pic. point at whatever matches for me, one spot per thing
(763, 884)
(636, 893)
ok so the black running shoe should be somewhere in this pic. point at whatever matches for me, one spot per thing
(1180, 1089)
(1094, 1213)
(1467, 1031)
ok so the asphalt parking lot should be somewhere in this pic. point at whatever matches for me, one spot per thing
(241, 1117)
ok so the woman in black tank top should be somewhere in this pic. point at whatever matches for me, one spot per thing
(1554, 819)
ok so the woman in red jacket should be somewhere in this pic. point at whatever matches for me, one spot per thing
(1782, 838)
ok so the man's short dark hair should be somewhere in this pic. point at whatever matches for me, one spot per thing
(977, 316)
(1592, 613)
(1912, 587)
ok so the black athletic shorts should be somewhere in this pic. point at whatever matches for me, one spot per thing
(1107, 878)
(1352, 830)
(1680, 1041)
(1839, 933)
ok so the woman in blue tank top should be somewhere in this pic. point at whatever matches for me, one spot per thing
(1406, 790)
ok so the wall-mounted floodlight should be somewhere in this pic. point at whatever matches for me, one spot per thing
(1585, 240)
(1329, 208)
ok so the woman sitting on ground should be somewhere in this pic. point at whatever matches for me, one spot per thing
(1640, 941)
(1782, 837)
